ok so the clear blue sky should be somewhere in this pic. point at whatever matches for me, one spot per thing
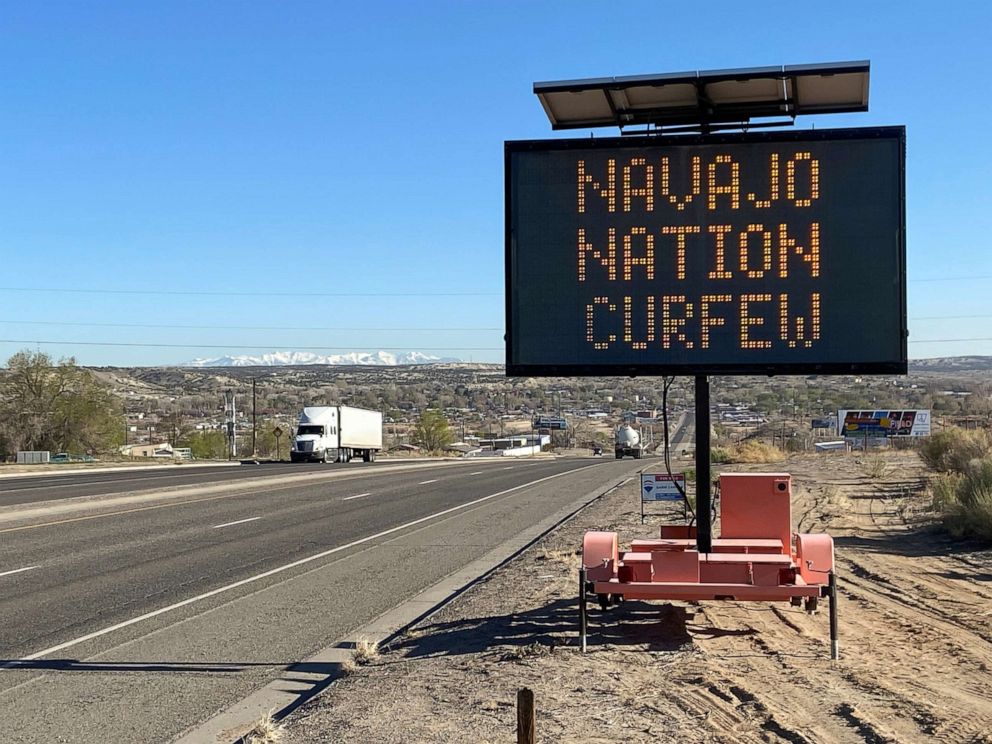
(269, 148)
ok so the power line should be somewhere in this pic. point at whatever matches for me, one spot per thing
(344, 348)
(243, 347)
(231, 328)
(950, 278)
(63, 290)
(403, 329)
(950, 317)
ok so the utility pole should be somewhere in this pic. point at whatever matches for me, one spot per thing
(254, 426)
(231, 424)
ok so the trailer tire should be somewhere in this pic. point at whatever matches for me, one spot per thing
(371, 455)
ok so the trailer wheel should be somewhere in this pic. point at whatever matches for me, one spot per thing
(604, 601)
(811, 604)
(371, 455)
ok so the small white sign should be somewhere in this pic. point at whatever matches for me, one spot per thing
(662, 486)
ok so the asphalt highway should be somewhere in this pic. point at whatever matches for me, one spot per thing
(37, 488)
(134, 623)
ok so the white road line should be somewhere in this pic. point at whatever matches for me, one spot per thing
(279, 569)
(509, 467)
(240, 521)
(359, 496)
(424, 483)
(18, 570)
(477, 472)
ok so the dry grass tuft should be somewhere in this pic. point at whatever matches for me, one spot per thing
(876, 467)
(265, 731)
(529, 651)
(366, 651)
(558, 554)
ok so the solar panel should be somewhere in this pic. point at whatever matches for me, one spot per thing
(706, 99)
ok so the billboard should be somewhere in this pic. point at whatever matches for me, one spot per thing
(726, 254)
(550, 422)
(875, 424)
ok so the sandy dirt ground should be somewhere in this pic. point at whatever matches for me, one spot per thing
(916, 641)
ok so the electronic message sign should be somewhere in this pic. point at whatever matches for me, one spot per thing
(766, 253)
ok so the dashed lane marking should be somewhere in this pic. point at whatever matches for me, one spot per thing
(231, 524)
(18, 570)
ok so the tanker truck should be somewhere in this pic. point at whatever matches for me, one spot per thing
(628, 442)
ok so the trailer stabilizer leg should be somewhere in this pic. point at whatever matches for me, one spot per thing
(834, 643)
(583, 619)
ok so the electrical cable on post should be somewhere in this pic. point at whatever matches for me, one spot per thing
(666, 383)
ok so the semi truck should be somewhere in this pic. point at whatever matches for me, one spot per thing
(337, 434)
(628, 442)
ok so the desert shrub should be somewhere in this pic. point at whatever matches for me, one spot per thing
(943, 490)
(753, 451)
(965, 500)
(720, 454)
(952, 449)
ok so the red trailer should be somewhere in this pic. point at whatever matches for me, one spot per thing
(757, 557)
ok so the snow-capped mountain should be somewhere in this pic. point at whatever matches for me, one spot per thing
(286, 358)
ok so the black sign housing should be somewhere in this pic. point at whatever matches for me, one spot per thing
(772, 253)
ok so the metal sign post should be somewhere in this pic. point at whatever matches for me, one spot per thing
(704, 538)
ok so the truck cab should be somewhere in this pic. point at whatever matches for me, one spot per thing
(316, 437)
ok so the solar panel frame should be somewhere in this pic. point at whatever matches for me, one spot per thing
(801, 93)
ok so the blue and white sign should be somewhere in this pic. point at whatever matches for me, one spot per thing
(662, 486)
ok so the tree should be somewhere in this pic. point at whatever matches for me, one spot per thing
(432, 431)
(56, 406)
(209, 444)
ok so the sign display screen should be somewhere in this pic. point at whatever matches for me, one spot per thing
(774, 253)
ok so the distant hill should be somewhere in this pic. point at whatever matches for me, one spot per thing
(297, 358)
(952, 364)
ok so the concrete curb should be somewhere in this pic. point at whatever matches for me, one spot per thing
(297, 686)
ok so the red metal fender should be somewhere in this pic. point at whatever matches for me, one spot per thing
(815, 557)
(600, 553)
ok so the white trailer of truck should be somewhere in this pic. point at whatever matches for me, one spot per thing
(337, 434)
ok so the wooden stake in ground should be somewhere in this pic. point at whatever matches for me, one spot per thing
(525, 716)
